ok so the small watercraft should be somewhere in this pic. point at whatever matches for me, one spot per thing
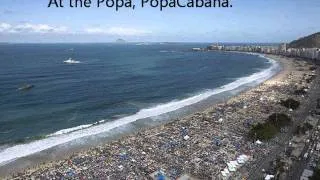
(71, 61)
(26, 87)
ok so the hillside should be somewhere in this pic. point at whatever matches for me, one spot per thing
(120, 41)
(312, 41)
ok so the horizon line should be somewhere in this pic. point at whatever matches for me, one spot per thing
(131, 42)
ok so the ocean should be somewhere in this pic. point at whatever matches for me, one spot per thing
(107, 86)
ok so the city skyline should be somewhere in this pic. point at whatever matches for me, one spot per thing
(247, 21)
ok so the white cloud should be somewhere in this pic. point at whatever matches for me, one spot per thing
(46, 28)
(117, 31)
(31, 28)
(4, 27)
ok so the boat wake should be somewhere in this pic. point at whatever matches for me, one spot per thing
(67, 135)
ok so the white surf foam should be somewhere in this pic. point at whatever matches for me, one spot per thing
(65, 131)
(69, 130)
(67, 135)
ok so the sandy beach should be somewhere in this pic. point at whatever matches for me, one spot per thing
(198, 146)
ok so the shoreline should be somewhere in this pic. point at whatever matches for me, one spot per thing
(167, 142)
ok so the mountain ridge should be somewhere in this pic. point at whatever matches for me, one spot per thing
(311, 41)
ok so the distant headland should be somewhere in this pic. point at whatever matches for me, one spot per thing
(120, 40)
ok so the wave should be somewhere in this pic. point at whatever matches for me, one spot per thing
(69, 130)
(67, 135)
(143, 44)
(166, 51)
(5, 132)
(65, 131)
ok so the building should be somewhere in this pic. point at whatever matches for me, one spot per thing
(283, 48)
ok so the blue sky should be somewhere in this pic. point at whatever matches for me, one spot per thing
(246, 21)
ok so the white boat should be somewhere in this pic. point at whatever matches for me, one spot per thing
(71, 61)
(26, 87)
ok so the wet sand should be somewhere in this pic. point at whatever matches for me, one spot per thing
(198, 145)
